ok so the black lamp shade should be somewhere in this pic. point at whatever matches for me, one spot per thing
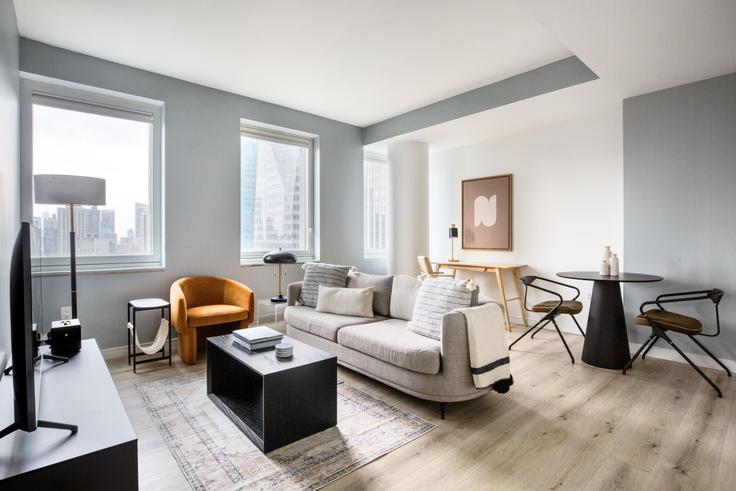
(279, 257)
(453, 231)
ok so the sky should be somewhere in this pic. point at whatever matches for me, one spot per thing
(78, 143)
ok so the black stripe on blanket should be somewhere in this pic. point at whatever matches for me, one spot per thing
(490, 366)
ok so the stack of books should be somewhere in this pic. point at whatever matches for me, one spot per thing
(256, 338)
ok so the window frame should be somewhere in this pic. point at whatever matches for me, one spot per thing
(277, 134)
(93, 100)
(376, 159)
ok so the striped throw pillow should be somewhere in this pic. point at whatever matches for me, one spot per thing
(435, 298)
(316, 274)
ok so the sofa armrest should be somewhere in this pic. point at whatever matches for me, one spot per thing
(178, 305)
(292, 292)
(236, 293)
(454, 338)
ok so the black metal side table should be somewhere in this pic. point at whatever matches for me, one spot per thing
(141, 305)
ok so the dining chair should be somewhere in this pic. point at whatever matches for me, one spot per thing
(661, 320)
(427, 269)
(550, 308)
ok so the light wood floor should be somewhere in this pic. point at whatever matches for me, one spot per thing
(561, 426)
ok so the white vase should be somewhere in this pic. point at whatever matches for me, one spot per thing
(605, 268)
(613, 263)
(606, 253)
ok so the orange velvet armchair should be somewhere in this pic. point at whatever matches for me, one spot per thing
(201, 301)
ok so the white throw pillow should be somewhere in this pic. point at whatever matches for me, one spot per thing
(435, 298)
(357, 302)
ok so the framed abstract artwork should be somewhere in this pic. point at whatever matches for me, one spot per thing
(486, 205)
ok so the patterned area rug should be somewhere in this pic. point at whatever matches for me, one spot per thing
(214, 454)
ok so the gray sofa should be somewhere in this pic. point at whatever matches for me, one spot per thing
(384, 349)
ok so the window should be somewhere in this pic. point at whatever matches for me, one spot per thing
(89, 132)
(276, 193)
(375, 205)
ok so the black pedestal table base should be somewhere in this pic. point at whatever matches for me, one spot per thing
(606, 341)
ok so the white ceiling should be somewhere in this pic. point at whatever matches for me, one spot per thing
(634, 46)
(358, 62)
(642, 46)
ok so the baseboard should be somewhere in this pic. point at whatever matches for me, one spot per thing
(701, 360)
(122, 351)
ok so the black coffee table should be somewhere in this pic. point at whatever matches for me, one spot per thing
(606, 341)
(273, 401)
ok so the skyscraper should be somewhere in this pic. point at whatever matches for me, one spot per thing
(142, 228)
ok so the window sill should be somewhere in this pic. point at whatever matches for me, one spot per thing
(248, 263)
(112, 269)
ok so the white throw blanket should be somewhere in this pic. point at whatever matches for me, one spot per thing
(489, 355)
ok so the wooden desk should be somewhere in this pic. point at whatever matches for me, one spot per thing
(497, 269)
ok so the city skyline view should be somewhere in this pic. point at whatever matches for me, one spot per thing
(94, 232)
(83, 143)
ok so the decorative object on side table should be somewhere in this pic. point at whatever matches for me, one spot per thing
(486, 213)
(135, 349)
(280, 258)
(453, 236)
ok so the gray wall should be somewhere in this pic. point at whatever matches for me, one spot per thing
(680, 198)
(202, 179)
(9, 211)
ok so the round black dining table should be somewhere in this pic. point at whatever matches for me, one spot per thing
(606, 341)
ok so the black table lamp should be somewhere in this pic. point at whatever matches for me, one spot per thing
(453, 236)
(56, 189)
(279, 257)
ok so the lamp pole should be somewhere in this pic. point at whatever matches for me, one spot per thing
(73, 261)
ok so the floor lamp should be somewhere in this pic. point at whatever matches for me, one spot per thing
(56, 189)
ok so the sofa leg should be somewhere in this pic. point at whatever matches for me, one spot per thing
(188, 346)
(442, 409)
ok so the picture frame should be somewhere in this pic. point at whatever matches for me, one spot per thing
(486, 205)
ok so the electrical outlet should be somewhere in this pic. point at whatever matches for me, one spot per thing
(66, 313)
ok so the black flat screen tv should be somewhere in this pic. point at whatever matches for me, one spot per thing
(21, 334)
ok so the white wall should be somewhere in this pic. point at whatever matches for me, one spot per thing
(567, 198)
(407, 222)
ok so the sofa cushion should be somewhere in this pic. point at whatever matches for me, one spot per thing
(391, 341)
(209, 315)
(403, 294)
(346, 301)
(321, 324)
(436, 297)
(316, 274)
(381, 289)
